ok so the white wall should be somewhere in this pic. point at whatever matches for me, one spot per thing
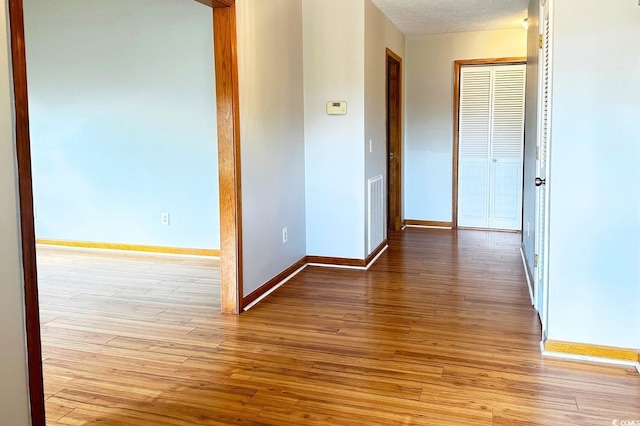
(272, 136)
(344, 60)
(123, 121)
(375, 116)
(594, 280)
(380, 33)
(14, 398)
(334, 64)
(429, 112)
(395, 40)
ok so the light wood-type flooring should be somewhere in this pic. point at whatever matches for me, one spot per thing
(440, 331)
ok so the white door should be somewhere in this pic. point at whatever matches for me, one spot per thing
(490, 150)
(543, 150)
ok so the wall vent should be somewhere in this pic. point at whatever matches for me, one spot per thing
(375, 213)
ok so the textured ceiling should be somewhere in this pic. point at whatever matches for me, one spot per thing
(417, 17)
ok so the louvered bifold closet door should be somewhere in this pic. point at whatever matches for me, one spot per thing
(490, 146)
(505, 211)
(473, 147)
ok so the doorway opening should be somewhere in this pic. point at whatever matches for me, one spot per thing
(488, 148)
(224, 24)
(394, 141)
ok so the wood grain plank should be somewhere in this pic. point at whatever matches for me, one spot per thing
(439, 331)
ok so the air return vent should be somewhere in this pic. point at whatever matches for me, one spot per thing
(375, 213)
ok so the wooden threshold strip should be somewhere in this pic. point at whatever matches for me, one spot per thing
(132, 247)
(571, 348)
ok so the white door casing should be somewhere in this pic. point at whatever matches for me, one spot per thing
(541, 279)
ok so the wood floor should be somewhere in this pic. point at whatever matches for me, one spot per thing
(440, 331)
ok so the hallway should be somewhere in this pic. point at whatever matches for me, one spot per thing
(439, 331)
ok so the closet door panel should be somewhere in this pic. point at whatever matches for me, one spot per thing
(506, 146)
(474, 150)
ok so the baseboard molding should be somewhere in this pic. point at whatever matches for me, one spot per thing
(342, 262)
(591, 351)
(271, 285)
(472, 228)
(528, 274)
(411, 223)
(131, 247)
(274, 283)
(347, 263)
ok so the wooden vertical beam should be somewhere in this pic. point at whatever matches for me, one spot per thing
(27, 228)
(226, 64)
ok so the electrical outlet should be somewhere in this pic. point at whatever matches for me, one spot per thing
(285, 236)
(164, 218)
(370, 146)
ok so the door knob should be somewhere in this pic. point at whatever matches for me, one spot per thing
(540, 182)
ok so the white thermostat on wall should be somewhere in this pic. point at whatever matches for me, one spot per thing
(336, 108)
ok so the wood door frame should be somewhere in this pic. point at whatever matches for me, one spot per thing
(227, 97)
(457, 67)
(394, 187)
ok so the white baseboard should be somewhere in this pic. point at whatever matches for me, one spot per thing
(529, 278)
(274, 288)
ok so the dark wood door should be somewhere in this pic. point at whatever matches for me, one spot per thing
(394, 141)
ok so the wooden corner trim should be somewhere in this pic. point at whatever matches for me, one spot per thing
(131, 247)
(394, 55)
(428, 223)
(597, 351)
(264, 288)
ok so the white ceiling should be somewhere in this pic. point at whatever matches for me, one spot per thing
(418, 17)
